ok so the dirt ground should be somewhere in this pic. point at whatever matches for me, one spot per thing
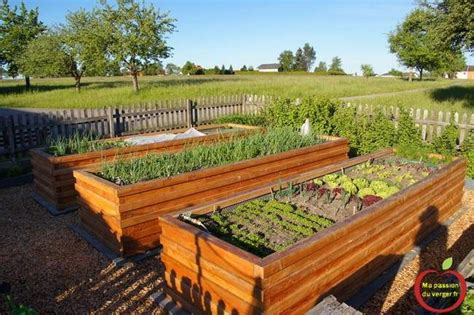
(54, 271)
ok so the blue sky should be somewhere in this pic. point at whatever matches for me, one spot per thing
(238, 32)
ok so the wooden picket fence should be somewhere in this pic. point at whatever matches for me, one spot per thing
(24, 130)
(431, 122)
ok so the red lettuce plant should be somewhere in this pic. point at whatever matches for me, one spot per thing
(370, 200)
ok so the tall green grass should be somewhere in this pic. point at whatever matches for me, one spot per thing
(154, 166)
(113, 91)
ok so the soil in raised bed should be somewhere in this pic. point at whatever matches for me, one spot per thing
(286, 216)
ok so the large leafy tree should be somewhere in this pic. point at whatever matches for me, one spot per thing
(414, 43)
(18, 27)
(453, 22)
(286, 60)
(69, 49)
(136, 35)
(309, 55)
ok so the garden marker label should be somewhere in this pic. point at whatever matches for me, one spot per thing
(451, 294)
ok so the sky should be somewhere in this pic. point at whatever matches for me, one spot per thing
(246, 32)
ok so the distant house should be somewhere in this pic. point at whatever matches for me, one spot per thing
(268, 67)
(467, 74)
(386, 75)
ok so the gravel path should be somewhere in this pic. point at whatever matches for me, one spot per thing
(53, 271)
(457, 241)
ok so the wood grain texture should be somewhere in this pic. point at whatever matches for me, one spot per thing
(338, 260)
(141, 205)
(53, 176)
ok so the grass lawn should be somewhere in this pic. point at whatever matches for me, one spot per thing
(99, 92)
(458, 98)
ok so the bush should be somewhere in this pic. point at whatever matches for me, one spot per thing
(446, 143)
(319, 110)
(467, 150)
(407, 132)
(242, 119)
(377, 132)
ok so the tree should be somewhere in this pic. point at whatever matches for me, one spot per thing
(414, 44)
(244, 68)
(171, 68)
(309, 56)
(45, 57)
(336, 66)
(300, 62)
(154, 69)
(69, 49)
(321, 68)
(189, 68)
(231, 70)
(453, 22)
(251, 68)
(18, 27)
(286, 60)
(367, 71)
(451, 62)
(222, 71)
(136, 35)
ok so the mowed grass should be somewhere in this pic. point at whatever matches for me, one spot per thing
(112, 91)
(457, 98)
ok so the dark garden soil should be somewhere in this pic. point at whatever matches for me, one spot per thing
(289, 215)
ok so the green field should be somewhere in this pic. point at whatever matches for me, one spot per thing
(458, 98)
(99, 92)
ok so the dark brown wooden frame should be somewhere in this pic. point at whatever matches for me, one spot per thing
(126, 218)
(53, 179)
(206, 274)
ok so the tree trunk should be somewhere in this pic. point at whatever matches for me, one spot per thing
(135, 81)
(77, 83)
(27, 82)
(421, 74)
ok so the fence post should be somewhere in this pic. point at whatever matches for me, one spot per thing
(244, 104)
(110, 119)
(190, 109)
(11, 137)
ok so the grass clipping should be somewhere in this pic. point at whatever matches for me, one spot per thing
(153, 166)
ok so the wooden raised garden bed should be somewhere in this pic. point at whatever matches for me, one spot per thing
(53, 179)
(126, 218)
(205, 273)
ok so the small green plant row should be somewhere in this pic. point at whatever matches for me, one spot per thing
(280, 218)
(152, 166)
(80, 143)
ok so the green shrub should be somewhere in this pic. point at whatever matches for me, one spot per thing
(407, 132)
(446, 143)
(467, 150)
(286, 112)
(377, 132)
(242, 119)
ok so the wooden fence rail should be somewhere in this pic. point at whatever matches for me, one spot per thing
(431, 122)
(22, 131)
